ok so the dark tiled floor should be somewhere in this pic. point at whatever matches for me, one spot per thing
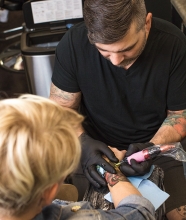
(11, 83)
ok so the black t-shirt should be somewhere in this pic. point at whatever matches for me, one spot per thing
(124, 106)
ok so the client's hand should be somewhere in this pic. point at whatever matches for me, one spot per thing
(119, 154)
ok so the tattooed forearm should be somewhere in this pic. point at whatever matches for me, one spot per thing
(177, 119)
(66, 99)
(113, 179)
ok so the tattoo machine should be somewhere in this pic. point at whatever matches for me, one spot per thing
(174, 150)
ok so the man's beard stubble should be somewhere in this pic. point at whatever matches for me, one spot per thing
(130, 61)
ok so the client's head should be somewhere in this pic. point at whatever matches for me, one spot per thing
(38, 141)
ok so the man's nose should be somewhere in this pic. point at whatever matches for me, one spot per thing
(116, 58)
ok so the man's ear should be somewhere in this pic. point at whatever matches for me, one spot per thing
(49, 194)
(148, 23)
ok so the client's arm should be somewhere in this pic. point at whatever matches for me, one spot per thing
(128, 201)
(120, 187)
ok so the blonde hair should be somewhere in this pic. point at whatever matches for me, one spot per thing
(38, 141)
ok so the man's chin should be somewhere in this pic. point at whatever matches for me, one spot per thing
(126, 64)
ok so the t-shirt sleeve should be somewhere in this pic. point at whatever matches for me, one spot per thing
(176, 96)
(64, 72)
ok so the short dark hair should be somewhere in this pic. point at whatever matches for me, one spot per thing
(108, 21)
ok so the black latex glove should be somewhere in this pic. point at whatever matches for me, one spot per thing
(135, 168)
(92, 151)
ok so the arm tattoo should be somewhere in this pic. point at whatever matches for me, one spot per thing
(66, 99)
(113, 179)
(177, 119)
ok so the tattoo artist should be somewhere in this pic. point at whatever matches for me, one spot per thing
(125, 71)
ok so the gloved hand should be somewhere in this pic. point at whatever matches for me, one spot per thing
(92, 151)
(136, 169)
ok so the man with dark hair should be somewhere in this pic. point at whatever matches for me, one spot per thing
(125, 71)
(113, 25)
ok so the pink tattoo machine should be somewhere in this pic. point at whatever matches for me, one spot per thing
(174, 150)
